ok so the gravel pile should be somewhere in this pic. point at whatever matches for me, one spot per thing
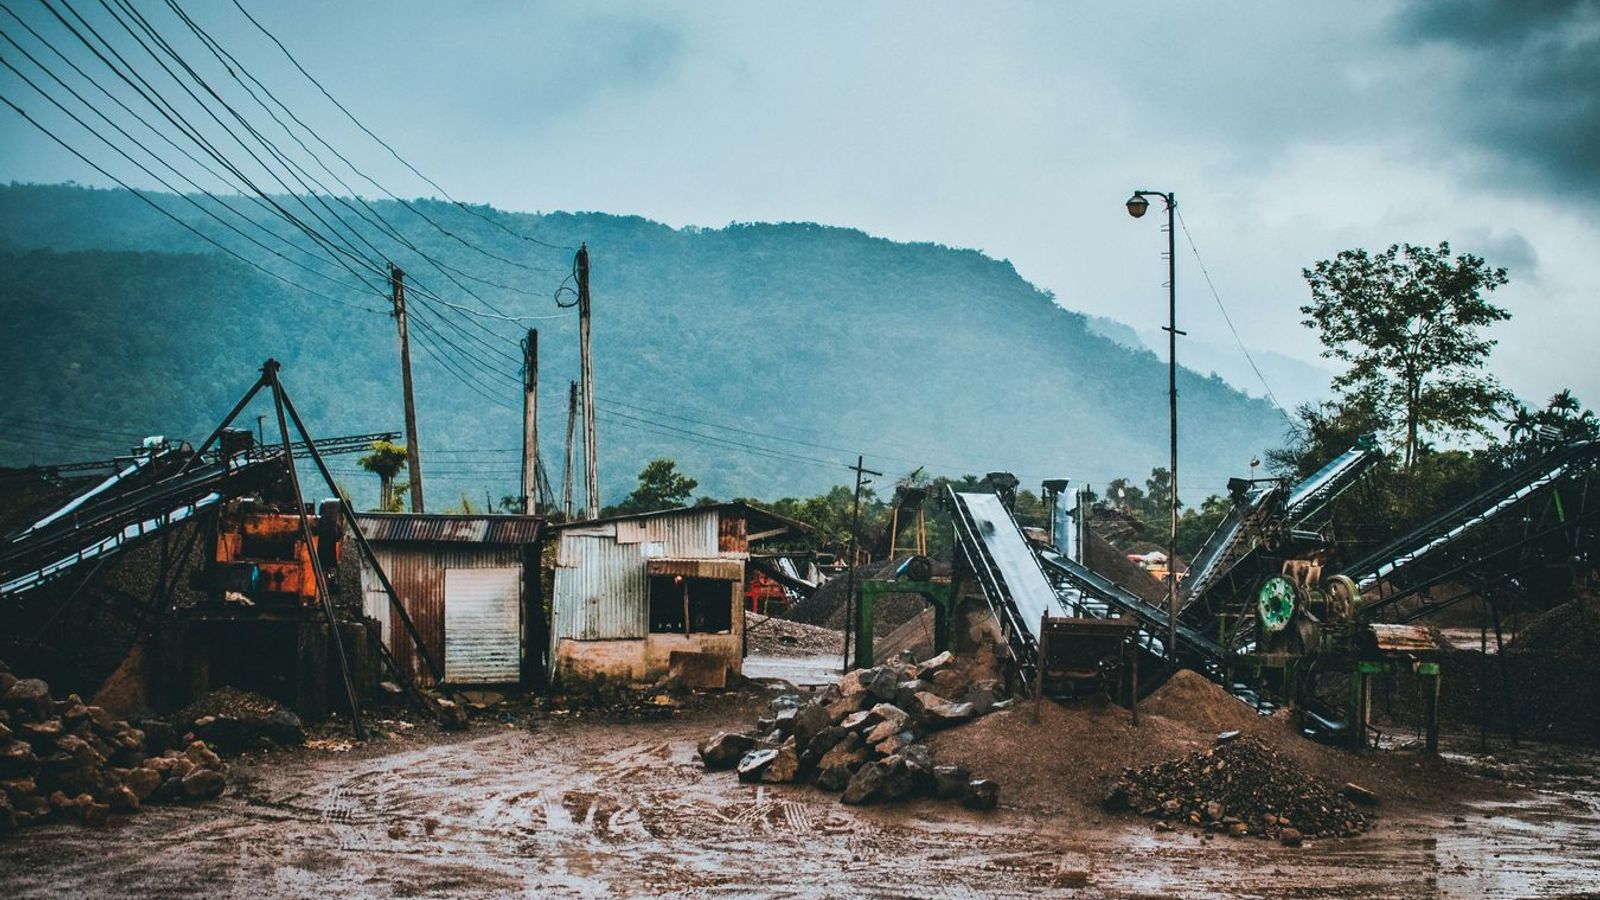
(1241, 787)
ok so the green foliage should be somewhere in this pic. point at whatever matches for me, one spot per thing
(1409, 322)
(386, 460)
(661, 486)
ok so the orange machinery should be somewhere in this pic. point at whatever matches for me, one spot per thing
(260, 555)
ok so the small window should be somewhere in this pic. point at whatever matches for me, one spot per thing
(683, 605)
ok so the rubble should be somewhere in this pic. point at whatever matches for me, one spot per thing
(1240, 787)
(863, 737)
(233, 720)
(67, 760)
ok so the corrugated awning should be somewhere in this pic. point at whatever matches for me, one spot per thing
(724, 569)
(406, 527)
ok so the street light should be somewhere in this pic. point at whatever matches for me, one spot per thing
(1137, 205)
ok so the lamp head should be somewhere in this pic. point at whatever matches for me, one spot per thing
(1137, 205)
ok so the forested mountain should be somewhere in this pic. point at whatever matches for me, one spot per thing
(762, 357)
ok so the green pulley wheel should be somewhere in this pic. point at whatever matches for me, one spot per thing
(1275, 603)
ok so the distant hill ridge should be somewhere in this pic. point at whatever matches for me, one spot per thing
(762, 357)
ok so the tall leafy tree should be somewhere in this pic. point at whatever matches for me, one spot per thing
(661, 486)
(1410, 323)
(386, 460)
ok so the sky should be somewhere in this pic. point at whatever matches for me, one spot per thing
(1288, 132)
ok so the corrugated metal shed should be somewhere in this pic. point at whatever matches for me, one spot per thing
(417, 571)
(406, 527)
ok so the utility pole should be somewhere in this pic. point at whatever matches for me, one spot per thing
(1137, 204)
(532, 501)
(397, 290)
(566, 473)
(850, 574)
(591, 472)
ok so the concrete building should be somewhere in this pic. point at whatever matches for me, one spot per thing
(636, 595)
(466, 582)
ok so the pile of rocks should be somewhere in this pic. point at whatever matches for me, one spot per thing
(1240, 787)
(232, 720)
(66, 760)
(863, 736)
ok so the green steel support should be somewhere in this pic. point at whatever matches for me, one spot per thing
(936, 593)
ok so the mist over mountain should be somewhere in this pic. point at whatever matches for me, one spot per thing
(762, 357)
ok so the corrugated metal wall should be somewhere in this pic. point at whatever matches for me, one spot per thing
(417, 573)
(602, 591)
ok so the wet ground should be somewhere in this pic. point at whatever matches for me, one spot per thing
(587, 808)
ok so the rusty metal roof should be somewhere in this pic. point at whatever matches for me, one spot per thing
(449, 529)
(755, 514)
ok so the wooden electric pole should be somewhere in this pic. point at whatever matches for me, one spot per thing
(850, 573)
(533, 502)
(591, 469)
(397, 293)
(566, 474)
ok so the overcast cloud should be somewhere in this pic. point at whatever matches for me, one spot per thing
(1288, 131)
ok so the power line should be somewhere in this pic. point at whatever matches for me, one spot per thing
(161, 209)
(1229, 319)
(359, 124)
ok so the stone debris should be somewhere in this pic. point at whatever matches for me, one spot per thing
(863, 737)
(233, 720)
(64, 760)
(1239, 787)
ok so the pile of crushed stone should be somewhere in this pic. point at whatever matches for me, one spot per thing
(1240, 787)
(772, 636)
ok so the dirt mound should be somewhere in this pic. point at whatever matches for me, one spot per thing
(1194, 700)
(233, 720)
(1241, 787)
(227, 701)
(1572, 627)
(772, 636)
(1072, 756)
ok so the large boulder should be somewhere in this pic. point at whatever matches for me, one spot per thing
(783, 768)
(930, 667)
(850, 751)
(866, 785)
(862, 721)
(936, 712)
(821, 742)
(897, 778)
(891, 719)
(835, 778)
(203, 784)
(723, 750)
(809, 721)
(894, 744)
(881, 682)
(29, 700)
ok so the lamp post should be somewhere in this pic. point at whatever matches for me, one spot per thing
(1137, 205)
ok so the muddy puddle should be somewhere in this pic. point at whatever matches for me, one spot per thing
(594, 809)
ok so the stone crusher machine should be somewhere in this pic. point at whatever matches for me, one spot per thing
(258, 556)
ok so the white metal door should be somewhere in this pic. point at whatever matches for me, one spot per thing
(482, 625)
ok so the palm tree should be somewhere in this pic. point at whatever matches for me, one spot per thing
(386, 460)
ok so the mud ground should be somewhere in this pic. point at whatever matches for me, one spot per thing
(591, 808)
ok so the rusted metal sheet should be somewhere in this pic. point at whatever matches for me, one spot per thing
(725, 569)
(1404, 638)
(417, 573)
(601, 589)
(732, 533)
(409, 528)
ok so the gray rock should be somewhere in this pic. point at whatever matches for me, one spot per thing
(29, 698)
(835, 778)
(809, 721)
(866, 785)
(754, 763)
(881, 683)
(723, 750)
(936, 712)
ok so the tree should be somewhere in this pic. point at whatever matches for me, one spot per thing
(386, 460)
(1409, 322)
(661, 486)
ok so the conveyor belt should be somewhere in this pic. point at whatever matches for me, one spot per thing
(1006, 567)
(1484, 507)
(1154, 617)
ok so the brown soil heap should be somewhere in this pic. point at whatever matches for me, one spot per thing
(1241, 787)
